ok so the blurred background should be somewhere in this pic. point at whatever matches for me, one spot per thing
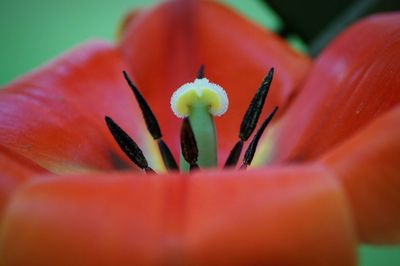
(32, 32)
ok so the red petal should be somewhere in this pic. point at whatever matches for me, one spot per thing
(353, 82)
(14, 170)
(12, 164)
(55, 116)
(166, 45)
(295, 216)
(368, 166)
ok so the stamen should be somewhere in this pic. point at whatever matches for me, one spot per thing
(149, 117)
(188, 144)
(200, 101)
(167, 156)
(234, 155)
(251, 149)
(250, 119)
(200, 72)
(252, 114)
(153, 126)
(128, 145)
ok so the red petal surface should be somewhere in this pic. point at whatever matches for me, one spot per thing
(368, 165)
(14, 170)
(165, 46)
(294, 216)
(55, 115)
(353, 81)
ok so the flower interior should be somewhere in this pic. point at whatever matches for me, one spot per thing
(197, 103)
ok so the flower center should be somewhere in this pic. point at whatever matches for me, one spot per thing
(197, 103)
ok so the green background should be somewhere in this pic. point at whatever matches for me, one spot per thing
(34, 31)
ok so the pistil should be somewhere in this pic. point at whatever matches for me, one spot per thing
(200, 101)
(202, 124)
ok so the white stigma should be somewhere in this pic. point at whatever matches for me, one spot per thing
(199, 91)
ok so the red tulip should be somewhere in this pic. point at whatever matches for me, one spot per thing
(335, 146)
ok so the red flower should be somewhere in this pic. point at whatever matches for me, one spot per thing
(335, 148)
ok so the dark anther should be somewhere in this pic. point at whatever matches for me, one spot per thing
(148, 170)
(128, 146)
(194, 167)
(200, 72)
(166, 155)
(149, 117)
(152, 126)
(188, 144)
(250, 119)
(233, 157)
(251, 149)
(254, 110)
